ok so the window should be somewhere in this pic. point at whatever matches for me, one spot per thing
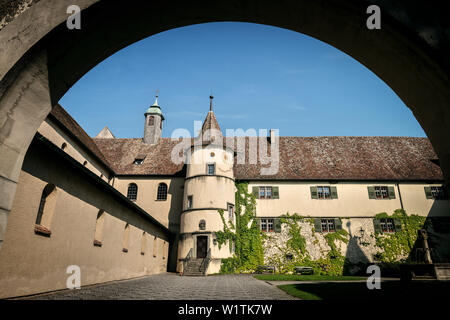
(138, 161)
(162, 192)
(387, 225)
(381, 192)
(143, 243)
(328, 225)
(99, 228)
(211, 168)
(45, 210)
(323, 192)
(267, 225)
(230, 212)
(265, 192)
(132, 191)
(189, 202)
(151, 121)
(64, 146)
(126, 236)
(435, 192)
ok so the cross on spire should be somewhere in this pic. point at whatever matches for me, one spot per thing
(210, 102)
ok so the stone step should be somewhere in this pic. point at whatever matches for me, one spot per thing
(442, 271)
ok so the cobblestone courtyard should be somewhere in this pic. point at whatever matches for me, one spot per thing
(174, 287)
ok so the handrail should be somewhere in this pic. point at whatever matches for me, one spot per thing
(186, 260)
(206, 261)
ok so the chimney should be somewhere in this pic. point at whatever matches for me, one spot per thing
(271, 135)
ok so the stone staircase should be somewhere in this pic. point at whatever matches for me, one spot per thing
(442, 271)
(194, 267)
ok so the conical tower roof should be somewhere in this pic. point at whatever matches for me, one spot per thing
(155, 109)
(210, 129)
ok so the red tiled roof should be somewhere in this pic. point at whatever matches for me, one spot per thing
(63, 117)
(301, 158)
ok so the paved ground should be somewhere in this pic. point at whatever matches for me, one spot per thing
(174, 287)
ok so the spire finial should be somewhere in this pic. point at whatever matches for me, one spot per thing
(156, 98)
(210, 102)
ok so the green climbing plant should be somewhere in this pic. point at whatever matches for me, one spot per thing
(249, 252)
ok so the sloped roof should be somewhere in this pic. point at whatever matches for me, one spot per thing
(301, 158)
(59, 114)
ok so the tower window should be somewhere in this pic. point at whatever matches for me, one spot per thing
(162, 192)
(151, 121)
(231, 212)
(211, 168)
(189, 202)
(132, 192)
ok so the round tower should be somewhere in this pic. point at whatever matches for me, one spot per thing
(208, 188)
(153, 123)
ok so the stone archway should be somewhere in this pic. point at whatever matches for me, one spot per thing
(40, 59)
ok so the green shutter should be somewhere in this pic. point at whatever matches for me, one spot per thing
(255, 191)
(275, 193)
(371, 191)
(313, 192)
(318, 225)
(257, 223)
(391, 192)
(277, 223)
(398, 225)
(376, 225)
(428, 193)
(334, 194)
(338, 224)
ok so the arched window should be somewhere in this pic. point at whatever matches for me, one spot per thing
(46, 209)
(162, 192)
(132, 191)
(64, 145)
(126, 236)
(99, 228)
(151, 121)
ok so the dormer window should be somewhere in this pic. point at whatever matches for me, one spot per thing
(139, 159)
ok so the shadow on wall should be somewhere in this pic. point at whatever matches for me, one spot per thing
(174, 224)
(437, 227)
(356, 260)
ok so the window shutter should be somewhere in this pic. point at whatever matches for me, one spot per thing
(376, 225)
(391, 192)
(334, 194)
(371, 191)
(313, 192)
(318, 225)
(275, 193)
(398, 225)
(338, 224)
(255, 191)
(257, 223)
(277, 224)
(428, 193)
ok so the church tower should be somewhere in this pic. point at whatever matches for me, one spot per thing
(209, 187)
(153, 123)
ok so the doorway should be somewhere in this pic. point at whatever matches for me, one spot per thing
(202, 246)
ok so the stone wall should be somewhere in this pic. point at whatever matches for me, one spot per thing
(354, 249)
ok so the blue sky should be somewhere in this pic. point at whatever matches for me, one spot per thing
(262, 77)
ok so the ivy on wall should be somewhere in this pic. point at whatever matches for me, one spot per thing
(250, 241)
(395, 247)
(249, 253)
